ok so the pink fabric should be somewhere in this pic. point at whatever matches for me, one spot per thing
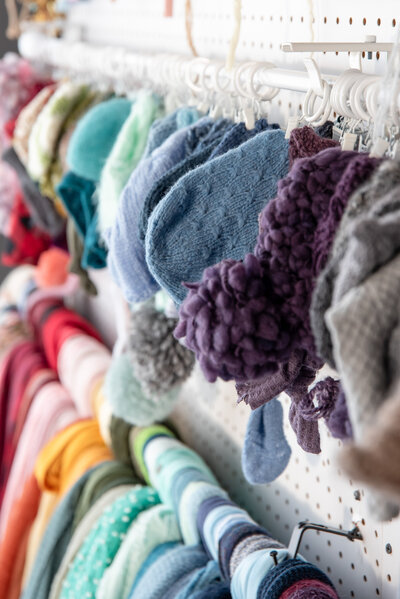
(309, 589)
(51, 411)
(82, 362)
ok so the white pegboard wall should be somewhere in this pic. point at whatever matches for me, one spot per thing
(312, 487)
(141, 26)
(207, 416)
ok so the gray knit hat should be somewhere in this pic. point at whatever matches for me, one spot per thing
(385, 178)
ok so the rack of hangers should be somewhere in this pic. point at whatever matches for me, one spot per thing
(240, 92)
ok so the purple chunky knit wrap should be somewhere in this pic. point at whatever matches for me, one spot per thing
(244, 319)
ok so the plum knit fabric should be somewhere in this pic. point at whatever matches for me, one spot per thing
(211, 213)
(245, 318)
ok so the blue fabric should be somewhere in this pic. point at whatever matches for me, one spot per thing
(266, 453)
(282, 576)
(251, 572)
(78, 197)
(167, 570)
(219, 590)
(200, 579)
(154, 556)
(227, 515)
(126, 259)
(182, 479)
(162, 128)
(221, 139)
(94, 137)
(231, 538)
(212, 212)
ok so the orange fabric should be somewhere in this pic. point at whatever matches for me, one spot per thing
(14, 543)
(69, 455)
(52, 268)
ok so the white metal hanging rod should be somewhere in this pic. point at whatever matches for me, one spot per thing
(367, 46)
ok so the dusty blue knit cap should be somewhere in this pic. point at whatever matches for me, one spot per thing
(126, 258)
(94, 137)
(162, 128)
(212, 212)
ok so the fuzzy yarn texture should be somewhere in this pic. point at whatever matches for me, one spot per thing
(126, 256)
(266, 453)
(94, 137)
(125, 155)
(211, 213)
(159, 361)
(245, 318)
(305, 142)
(128, 398)
(383, 181)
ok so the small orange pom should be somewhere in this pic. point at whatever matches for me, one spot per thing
(52, 268)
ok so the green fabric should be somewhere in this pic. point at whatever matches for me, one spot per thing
(54, 174)
(125, 155)
(138, 439)
(48, 127)
(106, 477)
(119, 433)
(152, 528)
(103, 542)
(172, 461)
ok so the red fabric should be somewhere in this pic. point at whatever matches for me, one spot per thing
(9, 127)
(27, 361)
(15, 540)
(60, 326)
(24, 241)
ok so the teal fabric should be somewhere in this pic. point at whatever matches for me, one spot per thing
(94, 137)
(78, 197)
(154, 527)
(103, 542)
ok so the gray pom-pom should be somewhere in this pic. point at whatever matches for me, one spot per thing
(159, 361)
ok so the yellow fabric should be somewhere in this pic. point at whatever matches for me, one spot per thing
(48, 503)
(69, 455)
(101, 410)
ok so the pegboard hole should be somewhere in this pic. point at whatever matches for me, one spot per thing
(318, 559)
(340, 554)
(340, 581)
(377, 592)
(328, 543)
(376, 533)
(351, 20)
(329, 569)
(365, 578)
(378, 22)
(302, 19)
(377, 563)
(364, 21)
(352, 566)
(352, 594)
(365, 550)
(325, 20)
(378, 55)
(389, 578)
(337, 20)
(394, 23)
(363, 54)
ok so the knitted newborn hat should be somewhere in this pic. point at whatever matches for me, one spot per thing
(126, 258)
(162, 128)
(94, 137)
(89, 147)
(304, 142)
(48, 126)
(211, 213)
(125, 155)
(245, 318)
(158, 360)
(266, 453)
(385, 178)
(26, 120)
(129, 400)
